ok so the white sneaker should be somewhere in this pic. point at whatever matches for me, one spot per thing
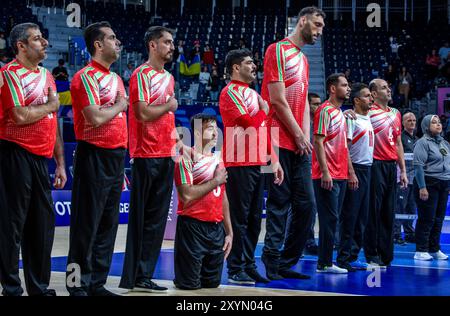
(439, 255)
(332, 269)
(424, 256)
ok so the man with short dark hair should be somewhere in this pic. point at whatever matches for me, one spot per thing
(330, 167)
(28, 136)
(285, 87)
(387, 153)
(204, 233)
(99, 108)
(246, 150)
(60, 73)
(355, 209)
(152, 146)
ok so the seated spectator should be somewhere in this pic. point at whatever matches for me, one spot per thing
(347, 74)
(204, 79)
(432, 64)
(444, 52)
(127, 74)
(389, 75)
(214, 85)
(404, 84)
(60, 72)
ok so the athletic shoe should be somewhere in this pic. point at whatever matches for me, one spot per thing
(424, 256)
(439, 255)
(241, 278)
(101, 291)
(346, 266)
(291, 274)
(332, 269)
(271, 269)
(148, 286)
(377, 264)
(359, 265)
(256, 276)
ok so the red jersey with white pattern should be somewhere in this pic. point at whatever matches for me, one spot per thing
(195, 170)
(151, 139)
(387, 127)
(242, 146)
(329, 121)
(2, 123)
(25, 87)
(97, 85)
(285, 62)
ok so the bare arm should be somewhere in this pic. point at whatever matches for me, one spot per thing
(353, 182)
(148, 113)
(228, 228)
(99, 115)
(58, 155)
(283, 110)
(307, 121)
(327, 182)
(23, 115)
(401, 163)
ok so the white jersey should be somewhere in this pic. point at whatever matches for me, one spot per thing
(360, 139)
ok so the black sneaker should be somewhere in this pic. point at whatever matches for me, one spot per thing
(291, 274)
(271, 269)
(256, 276)
(101, 291)
(241, 278)
(346, 266)
(148, 286)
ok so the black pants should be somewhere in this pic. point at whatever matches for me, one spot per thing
(405, 205)
(198, 253)
(378, 237)
(27, 220)
(353, 219)
(151, 192)
(245, 191)
(329, 204)
(97, 188)
(289, 211)
(431, 214)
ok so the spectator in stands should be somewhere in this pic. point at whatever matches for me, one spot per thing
(214, 86)
(127, 74)
(394, 48)
(60, 72)
(431, 187)
(3, 60)
(405, 197)
(404, 85)
(443, 53)
(260, 75)
(347, 74)
(256, 57)
(242, 44)
(204, 79)
(179, 50)
(390, 76)
(208, 57)
(2, 43)
(432, 63)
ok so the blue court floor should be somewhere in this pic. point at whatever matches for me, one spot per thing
(404, 277)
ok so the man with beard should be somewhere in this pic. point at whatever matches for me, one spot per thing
(101, 131)
(29, 135)
(330, 167)
(290, 205)
(355, 208)
(246, 150)
(151, 123)
(388, 151)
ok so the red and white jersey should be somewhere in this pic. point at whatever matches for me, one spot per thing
(387, 128)
(24, 87)
(285, 62)
(242, 146)
(329, 121)
(198, 170)
(97, 85)
(361, 138)
(151, 139)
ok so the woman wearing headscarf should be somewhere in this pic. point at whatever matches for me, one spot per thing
(431, 187)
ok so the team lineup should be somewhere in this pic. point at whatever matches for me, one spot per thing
(343, 166)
